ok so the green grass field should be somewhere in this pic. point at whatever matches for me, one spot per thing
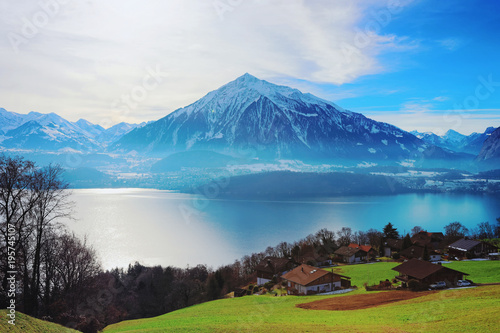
(25, 323)
(480, 271)
(458, 310)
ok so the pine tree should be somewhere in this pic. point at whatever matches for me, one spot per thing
(390, 231)
(426, 256)
(407, 242)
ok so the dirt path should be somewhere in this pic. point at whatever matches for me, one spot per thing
(363, 301)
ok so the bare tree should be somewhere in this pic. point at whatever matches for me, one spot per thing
(76, 262)
(16, 204)
(361, 238)
(416, 229)
(52, 204)
(455, 229)
(344, 236)
(486, 230)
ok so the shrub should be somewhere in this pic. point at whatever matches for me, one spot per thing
(269, 285)
(415, 285)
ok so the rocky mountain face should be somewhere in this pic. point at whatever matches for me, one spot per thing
(276, 122)
(490, 152)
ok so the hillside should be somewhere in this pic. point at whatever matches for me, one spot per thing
(490, 152)
(25, 323)
(456, 310)
(281, 184)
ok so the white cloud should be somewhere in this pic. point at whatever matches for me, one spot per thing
(440, 98)
(450, 44)
(86, 55)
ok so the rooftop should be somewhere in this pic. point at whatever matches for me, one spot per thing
(306, 274)
(421, 269)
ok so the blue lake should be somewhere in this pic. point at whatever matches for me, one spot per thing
(165, 228)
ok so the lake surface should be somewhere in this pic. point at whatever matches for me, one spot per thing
(165, 228)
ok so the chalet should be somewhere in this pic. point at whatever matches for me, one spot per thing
(315, 256)
(271, 267)
(350, 255)
(371, 252)
(468, 248)
(433, 240)
(417, 252)
(426, 272)
(307, 279)
(392, 245)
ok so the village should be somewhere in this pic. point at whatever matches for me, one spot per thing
(422, 266)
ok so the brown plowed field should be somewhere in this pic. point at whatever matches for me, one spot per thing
(363, 301)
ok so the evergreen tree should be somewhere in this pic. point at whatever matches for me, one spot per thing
(407, 242)
(390, 231)
(426, 256)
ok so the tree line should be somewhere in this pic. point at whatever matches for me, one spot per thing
(49, 264)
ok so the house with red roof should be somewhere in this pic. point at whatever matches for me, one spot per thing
(306, 280)
(371, 253)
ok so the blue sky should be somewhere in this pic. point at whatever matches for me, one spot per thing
(421, 64)
(456, 44)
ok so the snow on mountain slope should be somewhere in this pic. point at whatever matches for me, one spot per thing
(50, 137)
(455, 141)
(491, 148)
(116, 132)
(275, 122)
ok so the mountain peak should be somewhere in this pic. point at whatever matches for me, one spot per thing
(247, 77)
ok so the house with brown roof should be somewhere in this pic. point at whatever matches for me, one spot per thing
(468, 248)
(271, 267)
(316, 256)
(427, 273)
(417, 252)
(392, 245)
(305, 279)
(350, 255)
(433, 240)
(370, 251)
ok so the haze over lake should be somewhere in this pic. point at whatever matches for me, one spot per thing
(165, 228)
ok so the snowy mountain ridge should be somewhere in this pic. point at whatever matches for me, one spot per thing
(276, 122)
(52, 132)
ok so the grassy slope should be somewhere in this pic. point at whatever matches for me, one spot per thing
(25, 323)
(459, 310)
(480, 271)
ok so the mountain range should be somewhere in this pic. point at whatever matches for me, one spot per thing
(250, 119)
(51, 132)
(455, 141)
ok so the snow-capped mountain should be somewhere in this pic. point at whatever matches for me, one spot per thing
(51, 132)
(490, 151)
(115, 132)
(276, 122)
(90, 129)
(50, 136)
(455, 141)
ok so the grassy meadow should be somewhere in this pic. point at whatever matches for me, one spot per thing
(25, 323)
(457, 310)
